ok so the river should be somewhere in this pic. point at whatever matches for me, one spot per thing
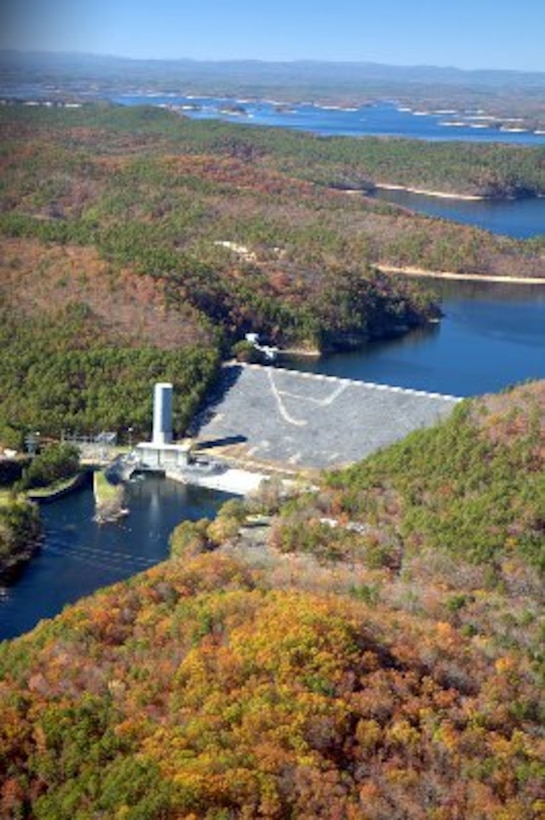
(79, 556)
(492, 335)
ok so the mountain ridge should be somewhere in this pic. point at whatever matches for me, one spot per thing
(358, 69)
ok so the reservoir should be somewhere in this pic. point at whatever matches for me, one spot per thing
(519, 218)
(79, 556)
(492, 335)
(378, 119)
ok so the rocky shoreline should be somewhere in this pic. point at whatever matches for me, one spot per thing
(11, 568)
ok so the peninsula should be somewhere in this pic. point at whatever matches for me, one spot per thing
(164, 239)
(369, 644)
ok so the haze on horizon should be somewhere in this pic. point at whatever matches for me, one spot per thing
(464, 34)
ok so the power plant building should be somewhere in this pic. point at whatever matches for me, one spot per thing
(160, 453)
(162, 413)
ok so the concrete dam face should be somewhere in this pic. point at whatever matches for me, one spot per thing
(297, 420)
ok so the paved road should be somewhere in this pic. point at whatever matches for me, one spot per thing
(295, 419)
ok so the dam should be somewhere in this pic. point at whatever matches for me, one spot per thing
(274, 418)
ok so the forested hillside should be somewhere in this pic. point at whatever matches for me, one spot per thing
(282, 680)
(147, 188)
(137, 246)
(20, 532)
(469, 493)
(453, 486)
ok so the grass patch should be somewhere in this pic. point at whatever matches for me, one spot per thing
(41, 493)
(105, 491)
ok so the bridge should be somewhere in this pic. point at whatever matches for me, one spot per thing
(273, 417)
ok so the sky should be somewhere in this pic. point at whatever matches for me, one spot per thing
(507, 34)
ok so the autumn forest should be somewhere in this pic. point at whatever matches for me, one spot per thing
(367, 647)
(353, 653)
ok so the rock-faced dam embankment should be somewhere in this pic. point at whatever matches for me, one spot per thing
(296, 420)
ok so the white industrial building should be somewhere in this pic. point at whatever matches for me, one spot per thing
(160, 453)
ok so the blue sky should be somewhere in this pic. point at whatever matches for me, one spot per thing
(462, 33)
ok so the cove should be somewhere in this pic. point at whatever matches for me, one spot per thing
(519, 218)
(79, 556)
(492, 335)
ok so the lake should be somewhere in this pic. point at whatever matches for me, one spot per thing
(519, 218)
(79, 556)
(492, 335)
(380, 119)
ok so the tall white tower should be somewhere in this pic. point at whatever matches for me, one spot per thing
(162, 413)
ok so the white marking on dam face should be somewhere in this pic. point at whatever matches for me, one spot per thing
(305, 374)
(320, 402)
(281, 408)
(316, 421)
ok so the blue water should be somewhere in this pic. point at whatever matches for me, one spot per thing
(79, 556)
(492, 336)
(379, 119)
(520, 218)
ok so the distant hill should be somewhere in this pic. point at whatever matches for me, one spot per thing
(294, 73)
(252, 681)
(505, 94)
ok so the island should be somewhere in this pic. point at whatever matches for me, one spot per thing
(361, 641)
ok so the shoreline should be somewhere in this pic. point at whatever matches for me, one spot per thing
(425, 192)
(467, 277)
(310, 353)
(12, 567)
(46, 495)
(234, 480)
